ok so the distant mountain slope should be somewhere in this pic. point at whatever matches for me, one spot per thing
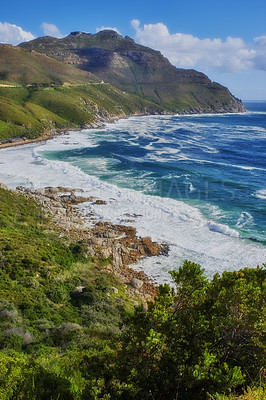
(40, 95)
(140, 70)
(20, 66)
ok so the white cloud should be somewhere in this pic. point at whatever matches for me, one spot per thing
(260, 58)
(13, 34)
(188, 51)
(261, 40)
(51, 30)
(108, 28)
(135, 23)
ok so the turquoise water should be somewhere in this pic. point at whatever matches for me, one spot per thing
(215, 163)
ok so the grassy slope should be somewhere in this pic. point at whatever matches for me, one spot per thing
(187, 97)
(32, 111)
(139, 70)
(45, 94)
(41, 269)
(44, 325)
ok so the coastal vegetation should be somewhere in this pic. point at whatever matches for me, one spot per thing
(70, 329)
(32, 111)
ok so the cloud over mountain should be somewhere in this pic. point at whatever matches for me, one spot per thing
(13, 34)
(188, 51)
(103, 28)
(51, 30)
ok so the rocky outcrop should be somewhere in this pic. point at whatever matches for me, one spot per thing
(118, 243)
(122, 244)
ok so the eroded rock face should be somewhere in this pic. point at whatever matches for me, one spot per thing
(120, 243)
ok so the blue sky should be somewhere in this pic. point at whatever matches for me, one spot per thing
(225, 39)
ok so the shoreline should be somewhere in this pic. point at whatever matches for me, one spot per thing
(100, 123)
(27, 141)
(97, 124)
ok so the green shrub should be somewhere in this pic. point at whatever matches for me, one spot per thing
(205, 338)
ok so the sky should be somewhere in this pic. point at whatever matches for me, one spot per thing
(224, 39)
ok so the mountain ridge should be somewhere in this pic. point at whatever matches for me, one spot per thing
(140, 70)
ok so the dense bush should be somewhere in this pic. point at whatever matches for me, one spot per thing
(205, 337)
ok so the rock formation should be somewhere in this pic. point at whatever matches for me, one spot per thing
(118, 243)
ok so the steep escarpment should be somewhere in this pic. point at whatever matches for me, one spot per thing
(140, 70)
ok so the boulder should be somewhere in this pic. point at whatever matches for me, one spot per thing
(51, 190)
(136, 283)
(100, 202)
(3, 186)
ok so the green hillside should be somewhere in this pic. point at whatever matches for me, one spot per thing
(39, 94)
(32, 111)
(111, 76)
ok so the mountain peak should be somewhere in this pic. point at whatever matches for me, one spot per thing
(79, 33)
(108, 33)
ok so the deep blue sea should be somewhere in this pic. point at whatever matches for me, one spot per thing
(196, 182)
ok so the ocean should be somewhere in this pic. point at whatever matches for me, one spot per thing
(195, 182)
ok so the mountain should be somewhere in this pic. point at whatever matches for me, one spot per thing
(138, 69)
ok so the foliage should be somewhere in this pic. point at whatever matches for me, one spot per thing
(255, 393)
(206, 337)
(43, 313)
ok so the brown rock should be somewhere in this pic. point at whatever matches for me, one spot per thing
(136, 283)
(100, 202)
